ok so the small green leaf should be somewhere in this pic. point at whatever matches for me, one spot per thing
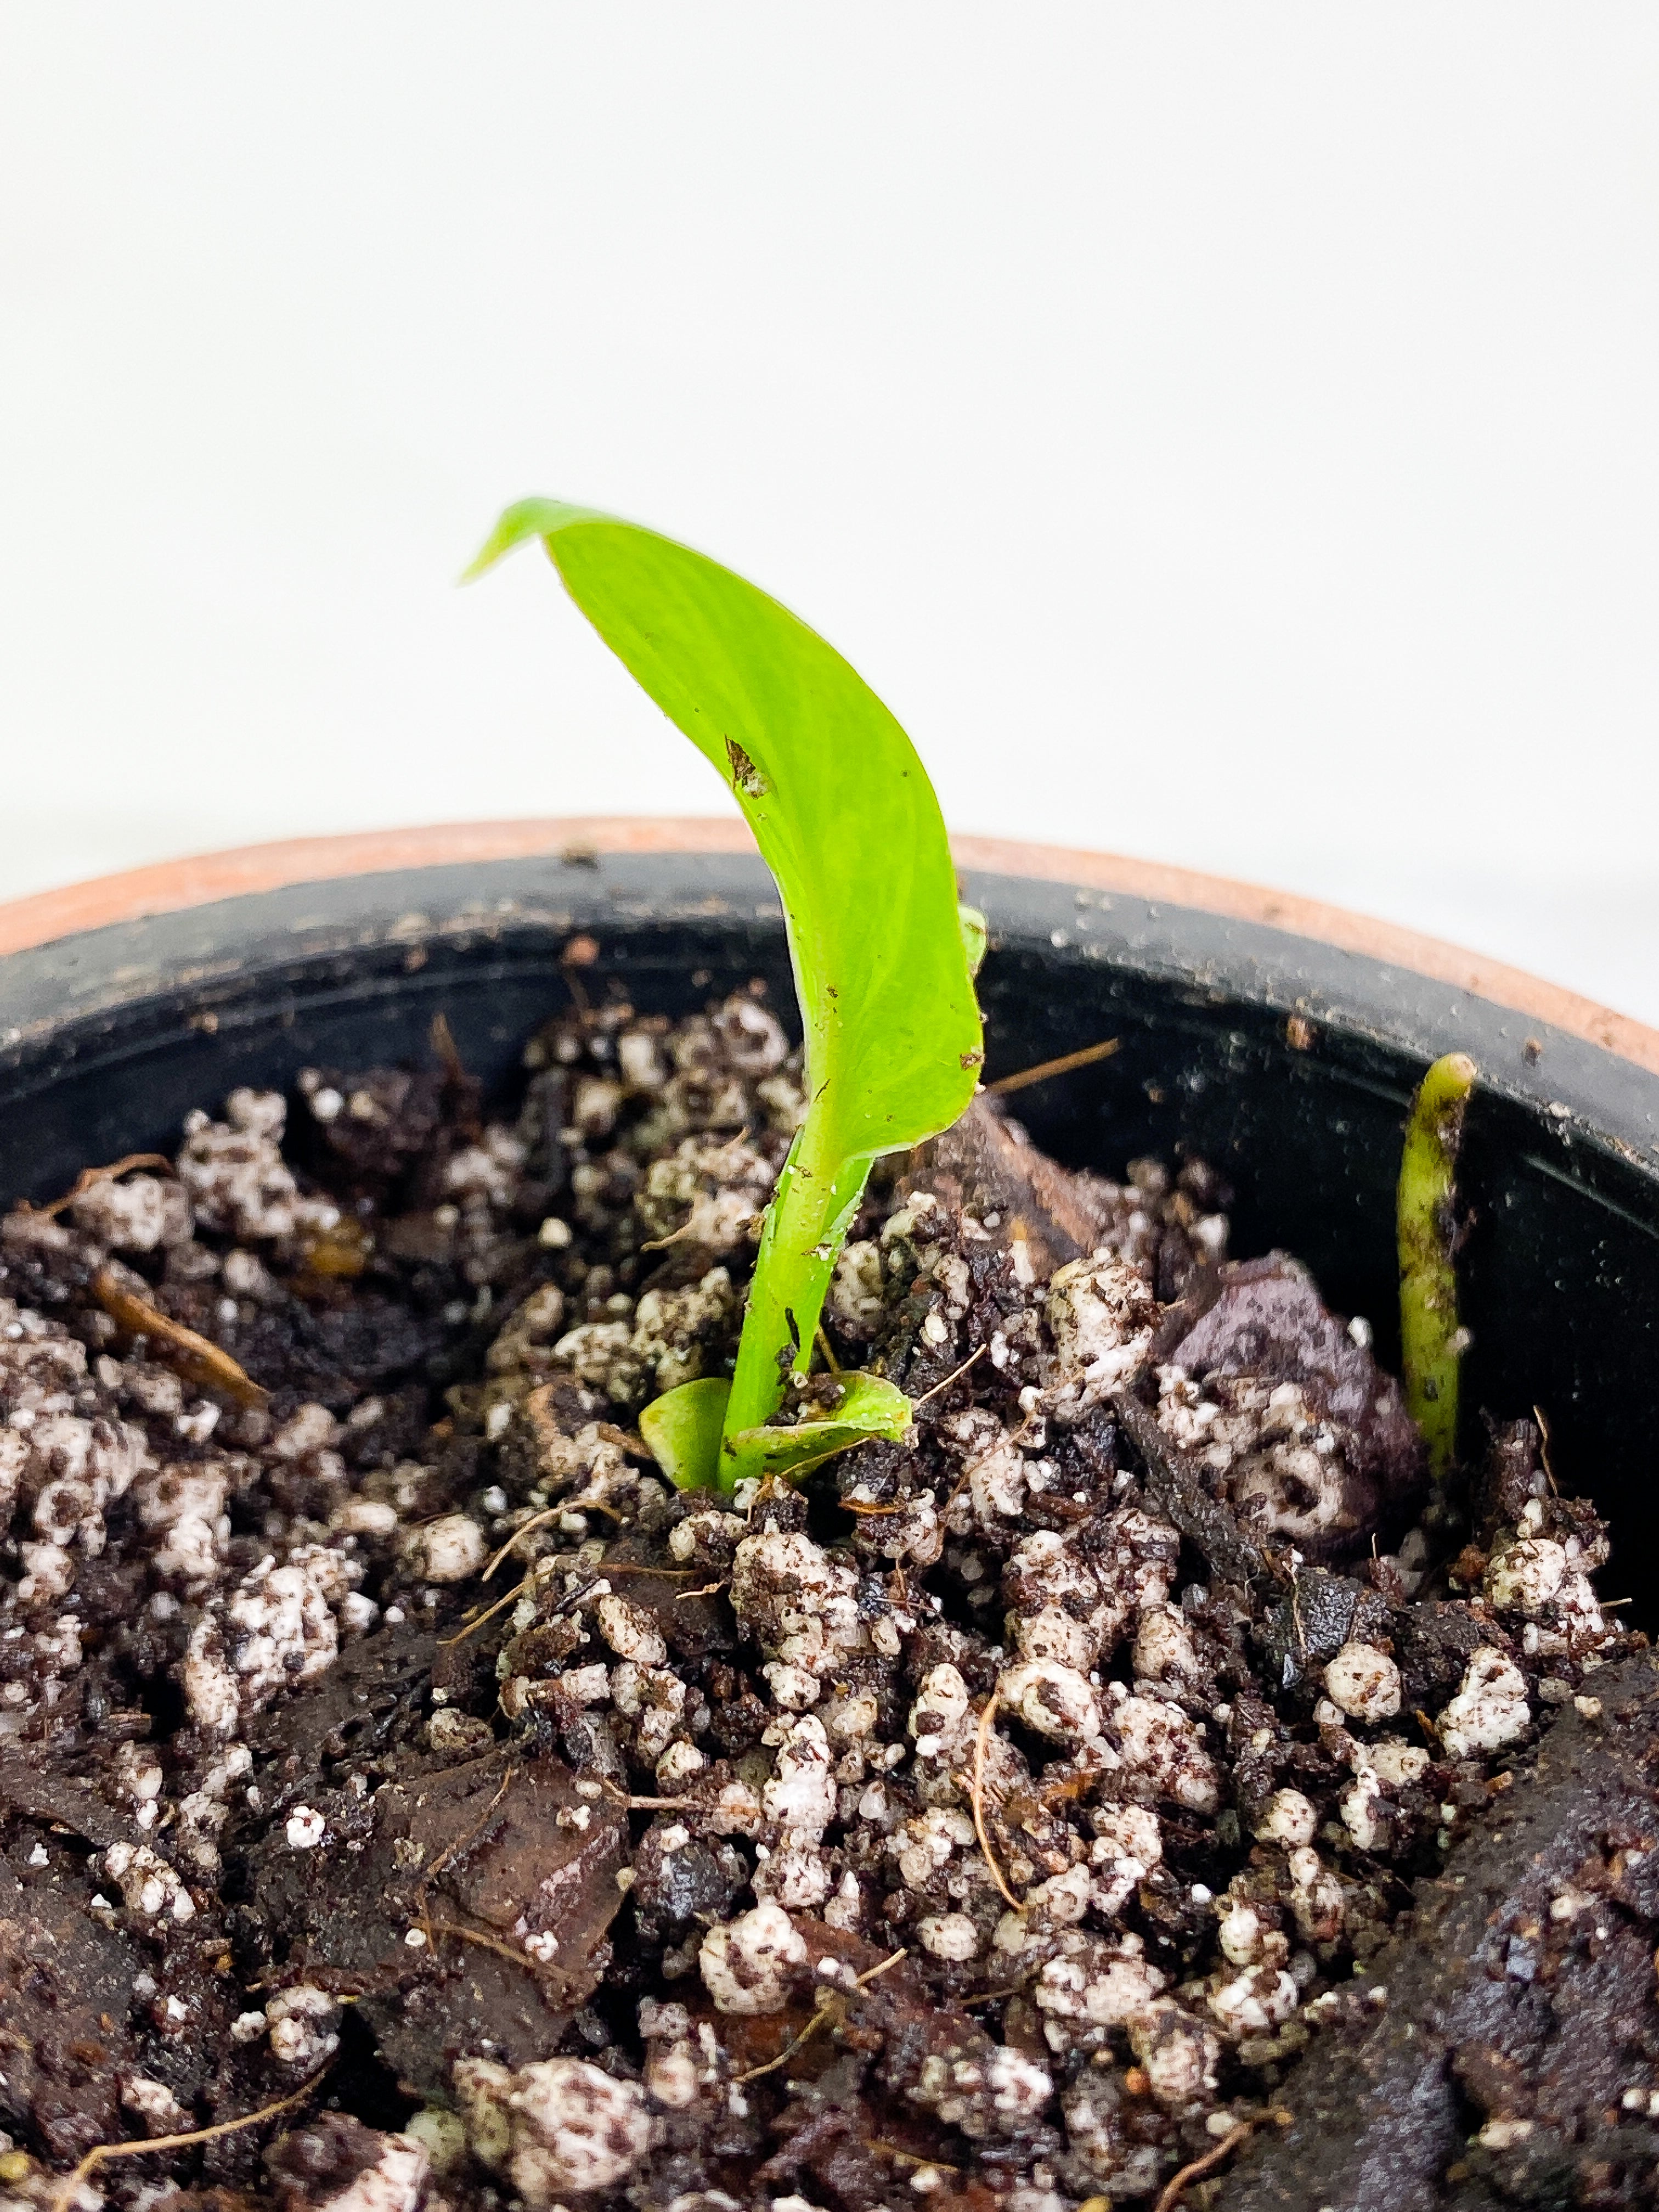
(869, 1406)
(682, 1428)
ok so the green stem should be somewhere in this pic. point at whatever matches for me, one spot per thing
(806, 1223)
(1430, 1339)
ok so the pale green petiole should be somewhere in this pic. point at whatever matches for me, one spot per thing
(806, 1225)
(1431, 1340)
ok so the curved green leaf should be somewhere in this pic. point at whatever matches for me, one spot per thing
(839, 802)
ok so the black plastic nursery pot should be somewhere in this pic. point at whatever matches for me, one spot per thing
(1280, 1040)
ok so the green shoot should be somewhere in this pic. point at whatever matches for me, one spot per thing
(846, 818)
(1431, 1341)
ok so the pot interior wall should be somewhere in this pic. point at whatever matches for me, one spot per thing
(1302, 1117)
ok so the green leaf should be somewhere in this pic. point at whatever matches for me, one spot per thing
(840, 803)
(869, 1406)
(844, 815)
(682, 1428)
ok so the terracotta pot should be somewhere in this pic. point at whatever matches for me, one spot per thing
(1279, 1038)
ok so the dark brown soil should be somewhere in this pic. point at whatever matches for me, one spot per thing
(1109, 1782)
(1516, 2004)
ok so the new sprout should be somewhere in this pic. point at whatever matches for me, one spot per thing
(1431, 1340)
(846, 818)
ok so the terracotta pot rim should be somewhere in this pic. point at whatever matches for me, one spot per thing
(174, 886)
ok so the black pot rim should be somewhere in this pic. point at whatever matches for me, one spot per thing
(84, 952)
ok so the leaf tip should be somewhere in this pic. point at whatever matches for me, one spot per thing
(526, 518)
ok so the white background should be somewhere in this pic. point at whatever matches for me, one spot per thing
(1223, 434)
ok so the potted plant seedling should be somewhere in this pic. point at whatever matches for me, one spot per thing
(884, 955)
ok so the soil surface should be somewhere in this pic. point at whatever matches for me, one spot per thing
(1111, 1795)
